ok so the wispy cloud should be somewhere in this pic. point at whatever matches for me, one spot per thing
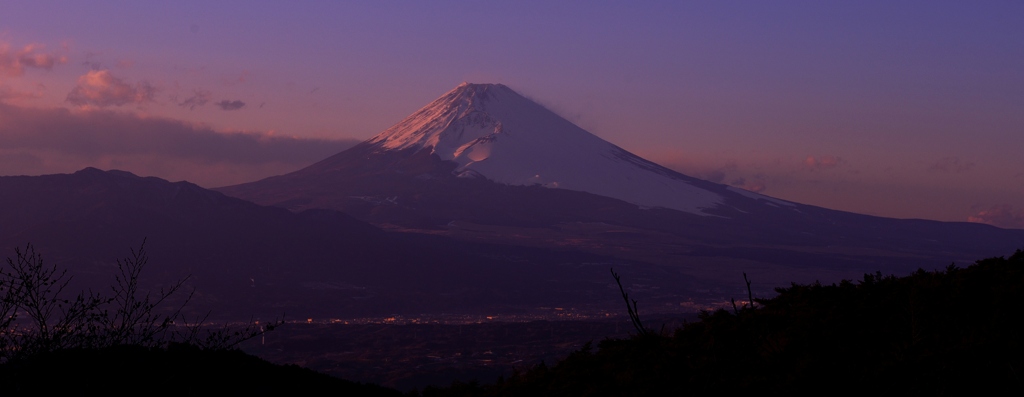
(198, 98)
(1000, 215)
(91, 62)
(8, 93)
(756, 184)
(951, 165)
(14, 62)
(230, 105)
(822, 162)
(717, 174)
(100, 88)
(61, 140)
(230, 81)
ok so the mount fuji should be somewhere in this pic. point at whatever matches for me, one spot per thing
(484, 163)
(490, 131)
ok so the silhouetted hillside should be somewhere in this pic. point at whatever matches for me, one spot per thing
(949, 332)
(177, 370)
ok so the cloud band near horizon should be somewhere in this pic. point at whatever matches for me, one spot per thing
(37, 141)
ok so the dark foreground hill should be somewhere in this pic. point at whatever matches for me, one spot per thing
(952, 332)
(178, 370)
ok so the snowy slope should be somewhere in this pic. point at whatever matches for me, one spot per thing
(491, 131)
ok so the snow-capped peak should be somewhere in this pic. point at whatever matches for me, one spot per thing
(429, 127)
(490, 130)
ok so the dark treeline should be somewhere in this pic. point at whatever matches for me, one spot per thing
(951, 332)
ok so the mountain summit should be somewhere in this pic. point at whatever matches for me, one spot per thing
(490, 131)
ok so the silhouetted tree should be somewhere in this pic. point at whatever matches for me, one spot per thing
(37, 317)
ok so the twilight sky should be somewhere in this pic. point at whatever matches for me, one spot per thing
(892, 108)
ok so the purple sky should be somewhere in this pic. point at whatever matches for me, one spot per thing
(902, 109)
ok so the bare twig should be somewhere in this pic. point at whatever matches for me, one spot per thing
(633, 316)
(750, 295)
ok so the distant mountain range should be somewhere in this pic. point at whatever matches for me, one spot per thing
(483, 202)
(245, 259)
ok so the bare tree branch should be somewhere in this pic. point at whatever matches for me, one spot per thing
(633, 316)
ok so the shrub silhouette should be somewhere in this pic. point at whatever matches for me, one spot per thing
(126, 344)
(36, 316)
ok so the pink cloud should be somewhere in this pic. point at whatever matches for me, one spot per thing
(14, 62)
(8, 93)
(822, 162)
(1000, 215)
(100, 88)
(756, 185)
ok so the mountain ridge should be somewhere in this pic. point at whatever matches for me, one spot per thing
(245, 259)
